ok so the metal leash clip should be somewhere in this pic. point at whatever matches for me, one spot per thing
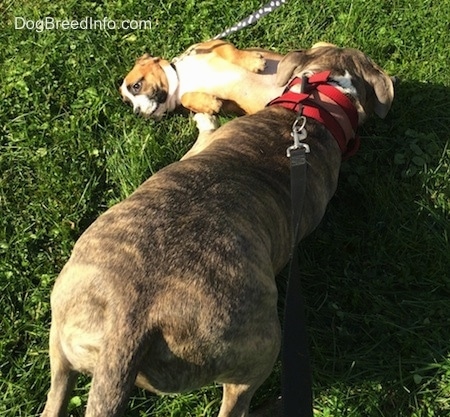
(299, 134)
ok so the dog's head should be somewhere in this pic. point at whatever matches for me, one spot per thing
(150, 87)
(371, 89)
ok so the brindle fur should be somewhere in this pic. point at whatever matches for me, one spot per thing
(173, 288)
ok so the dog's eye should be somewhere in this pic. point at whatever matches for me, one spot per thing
(136, 87)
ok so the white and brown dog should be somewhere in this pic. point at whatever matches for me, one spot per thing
(174, 287)
(202, 79)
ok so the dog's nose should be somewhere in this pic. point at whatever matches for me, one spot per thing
(137, 110)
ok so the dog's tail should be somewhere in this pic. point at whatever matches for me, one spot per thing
(116, 370)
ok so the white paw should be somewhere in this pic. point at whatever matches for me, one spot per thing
(206, 122)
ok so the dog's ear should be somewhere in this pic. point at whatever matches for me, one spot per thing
(287, 66)
(142, 60)
(385, 95)
(383, 86)
(322, 44)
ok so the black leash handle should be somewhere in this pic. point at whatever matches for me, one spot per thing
(297, 400)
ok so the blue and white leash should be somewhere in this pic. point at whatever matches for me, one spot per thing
(253, 18)
(249, 20)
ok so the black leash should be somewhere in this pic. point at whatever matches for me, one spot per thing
(296, 377)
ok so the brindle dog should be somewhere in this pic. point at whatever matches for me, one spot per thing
(174, 288)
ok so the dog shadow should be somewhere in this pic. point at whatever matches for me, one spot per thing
(375, 272)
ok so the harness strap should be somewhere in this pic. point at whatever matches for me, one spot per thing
(327, 105)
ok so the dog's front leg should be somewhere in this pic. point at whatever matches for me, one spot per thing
(201, 102)
(206, 125)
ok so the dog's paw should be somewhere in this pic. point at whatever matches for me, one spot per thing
(206, 122)
(215, 106)
(255, 62)
(200, 102)
(210, 105)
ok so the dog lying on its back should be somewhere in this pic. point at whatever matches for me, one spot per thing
(207, 77)
(174, 288)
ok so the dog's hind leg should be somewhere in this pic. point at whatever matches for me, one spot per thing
(237, 397)
(251, 60)
(236, 400)
(63, 379)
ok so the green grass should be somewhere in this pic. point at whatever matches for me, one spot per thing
(375, 273)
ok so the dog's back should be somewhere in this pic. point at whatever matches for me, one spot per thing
(167, 286)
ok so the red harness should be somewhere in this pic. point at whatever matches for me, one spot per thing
(327, 105)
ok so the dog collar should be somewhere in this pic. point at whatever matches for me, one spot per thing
(324, 103)
(172, 79)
